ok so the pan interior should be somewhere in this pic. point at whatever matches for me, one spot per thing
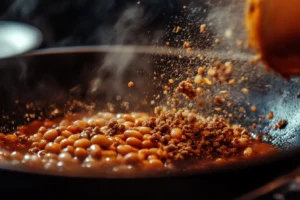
(36, 87)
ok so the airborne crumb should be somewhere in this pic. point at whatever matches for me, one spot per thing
(219, 100)
(271, 115)
(221, 72)
(189, 50)
(187, 89)
(130, 84)
(171, 81)
(198, 79)
(231, 82)
(186, 45)
(177, 29)
(253, 108)
(202, 28)
(207, 81)
(239, 43)
(201, 70)
(245, 91)
(280, 125)
(218, 109)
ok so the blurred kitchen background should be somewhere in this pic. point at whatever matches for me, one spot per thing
(142, 22)
(86, 22)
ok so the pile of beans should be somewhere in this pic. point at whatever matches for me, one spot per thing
(128, 141)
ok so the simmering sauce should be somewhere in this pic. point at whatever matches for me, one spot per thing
(129, 142)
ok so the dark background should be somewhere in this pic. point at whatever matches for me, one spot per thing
(86, 22)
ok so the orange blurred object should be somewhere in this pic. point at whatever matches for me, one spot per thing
(274, 33)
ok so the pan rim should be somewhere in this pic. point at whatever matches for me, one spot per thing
(142, 49)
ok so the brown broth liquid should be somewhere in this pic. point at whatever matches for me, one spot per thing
(125, 144)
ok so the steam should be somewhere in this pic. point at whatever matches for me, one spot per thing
(18, 10)
(105, 22)
(227, 20)
(126, 30)
(97, 22)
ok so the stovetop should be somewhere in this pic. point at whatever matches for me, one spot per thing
(286, 187)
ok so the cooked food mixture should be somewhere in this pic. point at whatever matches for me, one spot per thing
(129, 141)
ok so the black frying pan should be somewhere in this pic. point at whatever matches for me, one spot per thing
(49, 78)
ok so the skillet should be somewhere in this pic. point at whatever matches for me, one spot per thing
(48, 78)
